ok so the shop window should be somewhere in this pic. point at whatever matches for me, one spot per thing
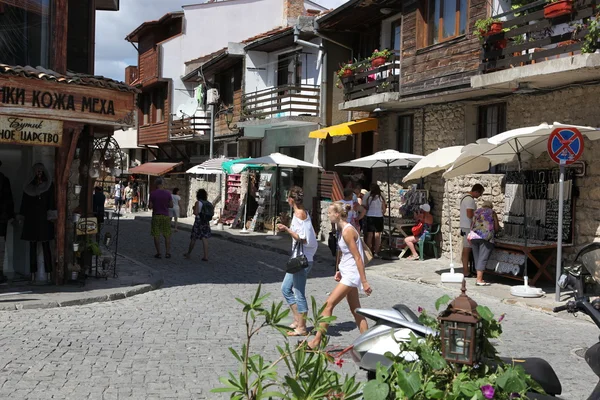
(293, 151)
(232, 150)
(255, 148)
(491, 120)
(25, 32)
(226, 87)
(443, 20)
(145, 109)
(405, 134)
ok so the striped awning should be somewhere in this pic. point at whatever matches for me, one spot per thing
(209, 167)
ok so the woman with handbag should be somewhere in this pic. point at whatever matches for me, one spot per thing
(424, 221)
(481, 237)
(351, 272)
(304, 247)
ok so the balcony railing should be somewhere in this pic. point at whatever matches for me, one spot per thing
(530, 37)
(189, 127)
(367, 80)
(281, 101)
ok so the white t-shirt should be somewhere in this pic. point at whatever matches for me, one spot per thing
(466, 203)
(305, 231)
(117, 190)
(374, 205)
(176, 199)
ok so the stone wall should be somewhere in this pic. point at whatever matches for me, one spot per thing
(213, 184)
(178, 181)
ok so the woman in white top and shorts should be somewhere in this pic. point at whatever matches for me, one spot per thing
(376, 207)
(351, 272)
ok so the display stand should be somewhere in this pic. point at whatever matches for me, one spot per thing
(264, 196)
(232, 201)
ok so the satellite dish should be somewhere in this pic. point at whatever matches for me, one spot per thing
(187, 109)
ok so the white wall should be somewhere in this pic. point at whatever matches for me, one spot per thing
(210, 26)
(126, 139)
(256, 74)
(172, 61)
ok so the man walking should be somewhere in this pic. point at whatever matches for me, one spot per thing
(160, 202)
(467, 210)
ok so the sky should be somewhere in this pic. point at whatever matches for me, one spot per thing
(113, 53)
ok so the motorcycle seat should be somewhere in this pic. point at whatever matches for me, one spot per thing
(406, 313)
(541, 372)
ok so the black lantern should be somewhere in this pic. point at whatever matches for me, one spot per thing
(461, 330)
(229, 116)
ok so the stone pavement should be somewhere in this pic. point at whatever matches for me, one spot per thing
(172, 343)
(132, 278)
(427, 272)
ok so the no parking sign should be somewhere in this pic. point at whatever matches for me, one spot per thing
(565, 145)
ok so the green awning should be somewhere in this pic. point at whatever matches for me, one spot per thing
(234, 166)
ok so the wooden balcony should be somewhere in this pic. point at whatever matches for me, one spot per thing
(367, 81)
(190, 128)
(148, 67)
(282, 101)
(530, 38)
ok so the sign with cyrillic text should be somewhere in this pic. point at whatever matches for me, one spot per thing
(30, 131)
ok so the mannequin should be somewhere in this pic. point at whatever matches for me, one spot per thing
(7, 213)
(38, 210)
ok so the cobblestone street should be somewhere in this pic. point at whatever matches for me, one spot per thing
(172, 343)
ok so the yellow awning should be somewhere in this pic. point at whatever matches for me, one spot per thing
(348, 128)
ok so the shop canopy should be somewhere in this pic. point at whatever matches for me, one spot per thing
(154, 168)
(278, 160)
(347, 128)
(214, 166)
(439, 160)
(239, 166)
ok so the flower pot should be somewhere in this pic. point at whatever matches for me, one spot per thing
(76, 218)
(77, 189)
(75, 246)
(558, 9)
(347, 73)
(378, 62)
(501, 44)
(496, 27)
(74, 275)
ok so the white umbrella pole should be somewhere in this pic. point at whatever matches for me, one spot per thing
(390, 255)
(274, 236)
(451, 277)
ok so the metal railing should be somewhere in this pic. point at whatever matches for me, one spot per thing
(190, 127)
(367, 80)
(529, 36)
(281, 101)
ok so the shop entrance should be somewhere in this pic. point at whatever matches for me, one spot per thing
(16, 166)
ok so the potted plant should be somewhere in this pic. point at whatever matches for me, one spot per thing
(345, 71)
(558, 8)
(380, 57)
(486, 27)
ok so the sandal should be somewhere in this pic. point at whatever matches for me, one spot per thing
(157, 255)
(296, 332)
(293, 325)
(205, 259)
(483, 284)
(168, 255)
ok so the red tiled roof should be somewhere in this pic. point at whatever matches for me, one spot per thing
(205, 58)
(69, 77)
(167, 16)
(267, 34)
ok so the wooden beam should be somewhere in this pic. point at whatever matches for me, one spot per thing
(64, 158)
(151, 150)
(185, 156)
(59, 33)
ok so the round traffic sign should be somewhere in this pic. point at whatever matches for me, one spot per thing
(565, 145)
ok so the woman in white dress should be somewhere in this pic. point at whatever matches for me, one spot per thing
(351, 271)
(174, 212)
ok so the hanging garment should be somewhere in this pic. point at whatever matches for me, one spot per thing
(33, 259)
(7, 204)
(38, 199)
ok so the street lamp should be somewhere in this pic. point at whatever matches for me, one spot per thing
(461, 330)
(229, 116)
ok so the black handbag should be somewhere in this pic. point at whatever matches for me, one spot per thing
(332, 243)
(298, 263)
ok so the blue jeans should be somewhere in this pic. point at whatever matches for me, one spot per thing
(294, 288)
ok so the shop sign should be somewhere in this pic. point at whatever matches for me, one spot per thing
(565, 145)
(30, 131)
(69, 102)
(87, 226)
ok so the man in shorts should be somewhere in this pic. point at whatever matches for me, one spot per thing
(467, 210)
(118, 196)
(160, 202)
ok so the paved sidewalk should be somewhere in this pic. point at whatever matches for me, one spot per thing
(133, 278)
(426, 272)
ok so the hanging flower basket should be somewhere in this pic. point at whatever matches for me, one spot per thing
(347, 72)
(378, 62)
(558, 9)
(77, 189)
(75, 246)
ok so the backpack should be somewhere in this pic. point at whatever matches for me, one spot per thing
(207, 212)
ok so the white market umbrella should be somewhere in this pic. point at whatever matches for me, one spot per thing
(515, 145)
(278, 161)
(385, 159)
(208, 167)
(439, 160)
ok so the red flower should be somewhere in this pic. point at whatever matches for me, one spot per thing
(501, 318)
(339, 362)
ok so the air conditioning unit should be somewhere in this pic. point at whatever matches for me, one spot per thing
(212, 96)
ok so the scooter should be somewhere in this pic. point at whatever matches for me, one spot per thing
(577, 278)
(398, 323)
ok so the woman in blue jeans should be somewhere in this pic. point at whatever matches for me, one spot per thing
(294, 285)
